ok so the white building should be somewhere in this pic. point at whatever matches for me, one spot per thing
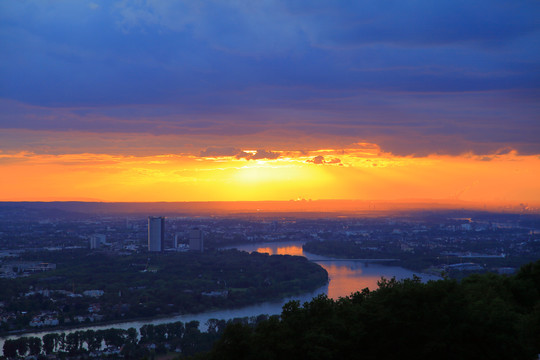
(93, 293)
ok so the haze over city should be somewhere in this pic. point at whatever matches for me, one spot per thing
(235, 101)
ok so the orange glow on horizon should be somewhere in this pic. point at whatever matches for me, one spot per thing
(362, 172)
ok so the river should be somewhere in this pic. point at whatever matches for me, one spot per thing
(346, 277)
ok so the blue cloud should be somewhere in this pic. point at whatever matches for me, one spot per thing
(372, 69)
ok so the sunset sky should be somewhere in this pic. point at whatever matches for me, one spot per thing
(163, 100)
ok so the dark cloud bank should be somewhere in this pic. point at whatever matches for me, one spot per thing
(416, 77)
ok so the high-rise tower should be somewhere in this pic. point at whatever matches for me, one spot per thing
(156, 233)
(196, 241)
(96, 240)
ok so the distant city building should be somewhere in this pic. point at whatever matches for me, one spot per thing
(93, 293)
(156, 233)
(196, 241)
(177, 238)
(96, 240)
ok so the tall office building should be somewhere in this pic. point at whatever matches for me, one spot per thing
(96, 240)
(196, 241)
(156, 233)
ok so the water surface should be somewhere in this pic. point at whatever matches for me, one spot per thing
(346, 276)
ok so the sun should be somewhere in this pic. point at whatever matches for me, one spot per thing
(276, 172)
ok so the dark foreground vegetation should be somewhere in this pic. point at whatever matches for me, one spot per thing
(481, 317)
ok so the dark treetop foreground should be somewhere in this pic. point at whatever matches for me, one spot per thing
(482, 317)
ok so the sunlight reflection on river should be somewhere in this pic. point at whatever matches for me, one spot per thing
(346, 276)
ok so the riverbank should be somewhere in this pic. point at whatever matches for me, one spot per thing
(150, 286)
(430, 262)
(149, 319)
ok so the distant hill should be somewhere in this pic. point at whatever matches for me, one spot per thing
(332, 207)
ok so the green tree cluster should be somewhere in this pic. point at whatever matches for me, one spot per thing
(151, 340)
(146, 285)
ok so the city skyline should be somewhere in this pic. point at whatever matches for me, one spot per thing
(182, 101)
